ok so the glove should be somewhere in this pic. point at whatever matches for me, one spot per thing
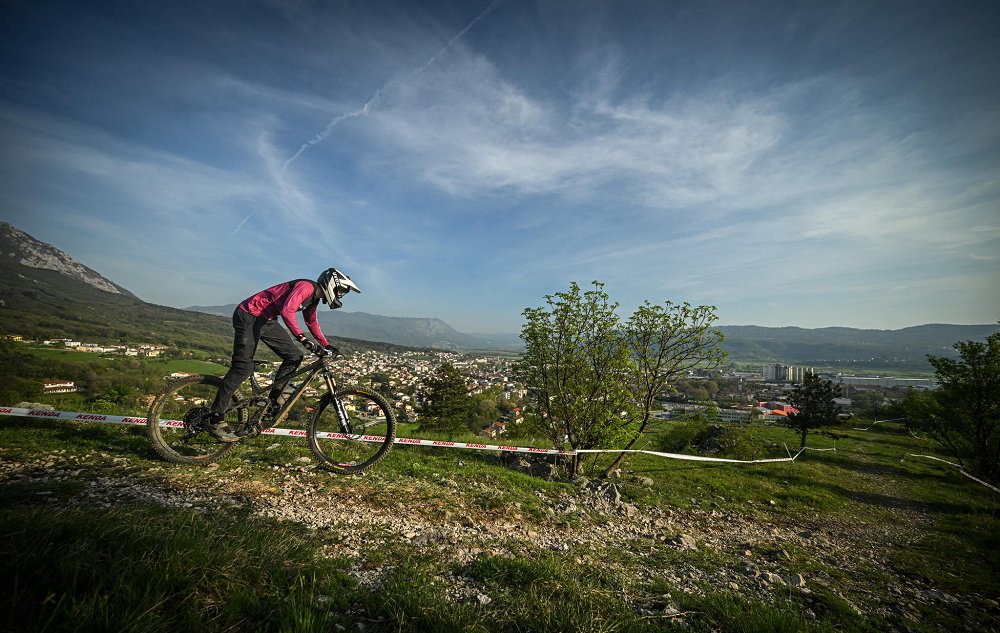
(332, 351)
(309, 345)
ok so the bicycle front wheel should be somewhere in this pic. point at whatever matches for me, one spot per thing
(352, 430)
(176, 419)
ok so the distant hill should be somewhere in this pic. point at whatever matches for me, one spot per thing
(406, 331)
(904, 349)
(877, 350)
(46, 293)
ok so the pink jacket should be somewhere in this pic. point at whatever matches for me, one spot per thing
(285, 300)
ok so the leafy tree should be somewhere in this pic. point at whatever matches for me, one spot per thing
(664, 343)
(870, 404)
(814, 399)
(381, 383)
(742, 442)
(577, 364)
(18, 378)
(483, 411)
(450, 403)
(113, 400)
(685, 435)
(963, 413)
(14, 389)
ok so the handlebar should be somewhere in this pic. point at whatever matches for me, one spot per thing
(326, 356)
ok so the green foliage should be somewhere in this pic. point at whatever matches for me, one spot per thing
(22, 374)
(14, 389)
(668, 341)
(698, 435)
(483, 411)
(665, 342)
(743, 442)
(115, 400)
(577, 362)
(381, 383)
(814, 398)
(963, 414)
(595, 379)
(450, 403)
(684, 436)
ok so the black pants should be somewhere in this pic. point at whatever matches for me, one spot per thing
(249, 330)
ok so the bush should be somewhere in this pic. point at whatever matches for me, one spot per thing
(686, 436)
(742, 442)
(698, 436)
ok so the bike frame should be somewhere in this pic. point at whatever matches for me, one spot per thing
(322, 365)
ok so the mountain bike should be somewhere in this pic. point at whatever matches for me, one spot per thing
(351, 428)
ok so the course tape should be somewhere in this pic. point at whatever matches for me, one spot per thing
(869, 427)
(137, 421)
(960, 469)
(698, 458)
(937, 459)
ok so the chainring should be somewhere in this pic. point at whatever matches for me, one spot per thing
(195, 419)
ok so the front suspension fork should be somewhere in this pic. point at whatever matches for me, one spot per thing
(345, 422)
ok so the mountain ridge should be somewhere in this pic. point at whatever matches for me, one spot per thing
(46, 293)
(35, 254)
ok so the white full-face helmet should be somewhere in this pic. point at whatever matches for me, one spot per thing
(333, 285)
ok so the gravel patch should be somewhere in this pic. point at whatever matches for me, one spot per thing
(692, 550)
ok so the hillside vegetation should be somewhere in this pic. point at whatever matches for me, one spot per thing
(864, 538)
(55, 306)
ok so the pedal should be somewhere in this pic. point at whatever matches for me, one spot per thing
(249, 431)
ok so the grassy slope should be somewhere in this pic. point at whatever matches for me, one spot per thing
(883, 543)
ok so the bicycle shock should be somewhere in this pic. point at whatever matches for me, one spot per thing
(253, 427)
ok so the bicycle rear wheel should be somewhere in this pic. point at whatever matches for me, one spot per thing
(175, 423)
(364, 438)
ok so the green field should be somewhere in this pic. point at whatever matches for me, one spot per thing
(864, 538)
(167, 366)
(54, 353)
(189, 366)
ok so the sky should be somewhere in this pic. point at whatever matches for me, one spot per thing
(796, 163)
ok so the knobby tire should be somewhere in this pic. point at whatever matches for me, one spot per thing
(176, 445)
(369, 415)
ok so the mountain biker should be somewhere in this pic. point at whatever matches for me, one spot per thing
(254, 320)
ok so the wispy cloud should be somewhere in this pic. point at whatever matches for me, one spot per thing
(376, 97)
(242, 222)
(157, 181)
(456, 155)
